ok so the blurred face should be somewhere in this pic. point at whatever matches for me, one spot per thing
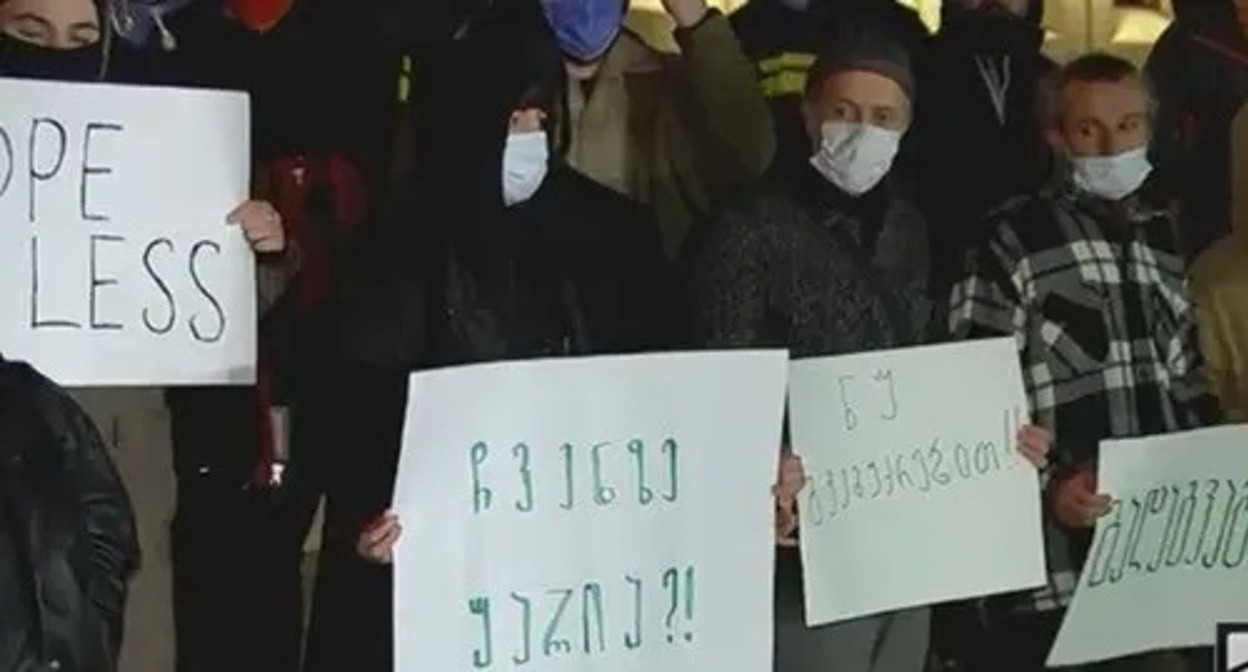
(1103, 118)
(857, 97)
(1241, 10)
(54, 24)
(1017, 7)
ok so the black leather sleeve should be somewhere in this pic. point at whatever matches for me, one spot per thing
(108, 526)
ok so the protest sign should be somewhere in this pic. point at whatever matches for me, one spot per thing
(916, 493)
(1164, 567)
(120, 268)
(605, 514)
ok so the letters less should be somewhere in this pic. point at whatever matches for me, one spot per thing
(44, 145)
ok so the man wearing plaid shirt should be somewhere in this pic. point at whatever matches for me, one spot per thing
(1088, 277)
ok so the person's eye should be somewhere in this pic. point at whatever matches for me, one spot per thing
(85, 36)
(32, 34)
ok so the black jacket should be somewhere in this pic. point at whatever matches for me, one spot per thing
(801, 265)
(971, 160)
(67, 534)
(1199, 72)
(449, 276)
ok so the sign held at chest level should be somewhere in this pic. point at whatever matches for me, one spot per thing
(902, 450)
(580, 515)
(112, 203)
(1166, 563)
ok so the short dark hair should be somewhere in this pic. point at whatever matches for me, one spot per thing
(1089, 68)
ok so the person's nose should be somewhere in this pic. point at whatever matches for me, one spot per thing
(1117, 144)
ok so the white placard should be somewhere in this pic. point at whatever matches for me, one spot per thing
(1168, 562)
(119, 267)
(592, 515)
(916, 492)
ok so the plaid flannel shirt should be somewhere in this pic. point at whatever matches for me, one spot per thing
(1095, 293)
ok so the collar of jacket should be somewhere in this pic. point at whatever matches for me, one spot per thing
(1141, 207)
(629, 56)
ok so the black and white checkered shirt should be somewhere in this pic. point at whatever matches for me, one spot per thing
(1096, 295)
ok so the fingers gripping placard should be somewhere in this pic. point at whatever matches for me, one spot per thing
(596, 515)
(121, 269)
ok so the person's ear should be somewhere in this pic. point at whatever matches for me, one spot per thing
(1054, 139)
(810, 119)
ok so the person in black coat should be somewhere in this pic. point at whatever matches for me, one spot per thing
(980, 140)
(67, 532)
(498, 252)
(1198, 69)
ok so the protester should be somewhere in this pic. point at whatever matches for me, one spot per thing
(71, 40)
(1199, 68)
(980, 140)
(67, 533)
(780, 37)
(676, 133)
(830, 263)
(1087, 275)
(1220, 283)
(501, 251)
(249, 481)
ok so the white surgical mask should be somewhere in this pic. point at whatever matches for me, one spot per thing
(525, 160)
(855, 157)
(1112, 177)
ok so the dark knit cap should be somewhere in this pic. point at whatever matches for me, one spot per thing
(862, 43)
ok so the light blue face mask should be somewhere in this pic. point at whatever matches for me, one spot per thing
(585, 28)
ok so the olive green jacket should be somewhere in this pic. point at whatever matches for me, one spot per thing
(677, 132)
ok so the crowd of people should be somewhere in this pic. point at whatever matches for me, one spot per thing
(444, 183)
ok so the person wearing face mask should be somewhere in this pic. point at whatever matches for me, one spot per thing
(52, 39)
(678, 133)
(979, 139)
(1199, 67)
(249, 479)
(1107, 338)
(498, 250)
(73, 41)
(827, 262)
(781, 38)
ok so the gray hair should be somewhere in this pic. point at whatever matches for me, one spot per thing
(1094, 67)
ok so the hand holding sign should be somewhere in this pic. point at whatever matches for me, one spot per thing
(792, 479)
(262, 224)
(1076, 503)
(1035, 443)
(376, 542)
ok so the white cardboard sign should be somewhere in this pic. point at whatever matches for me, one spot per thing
(119, 266)
(604, 514)
(1167, 563)
(916, 493)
